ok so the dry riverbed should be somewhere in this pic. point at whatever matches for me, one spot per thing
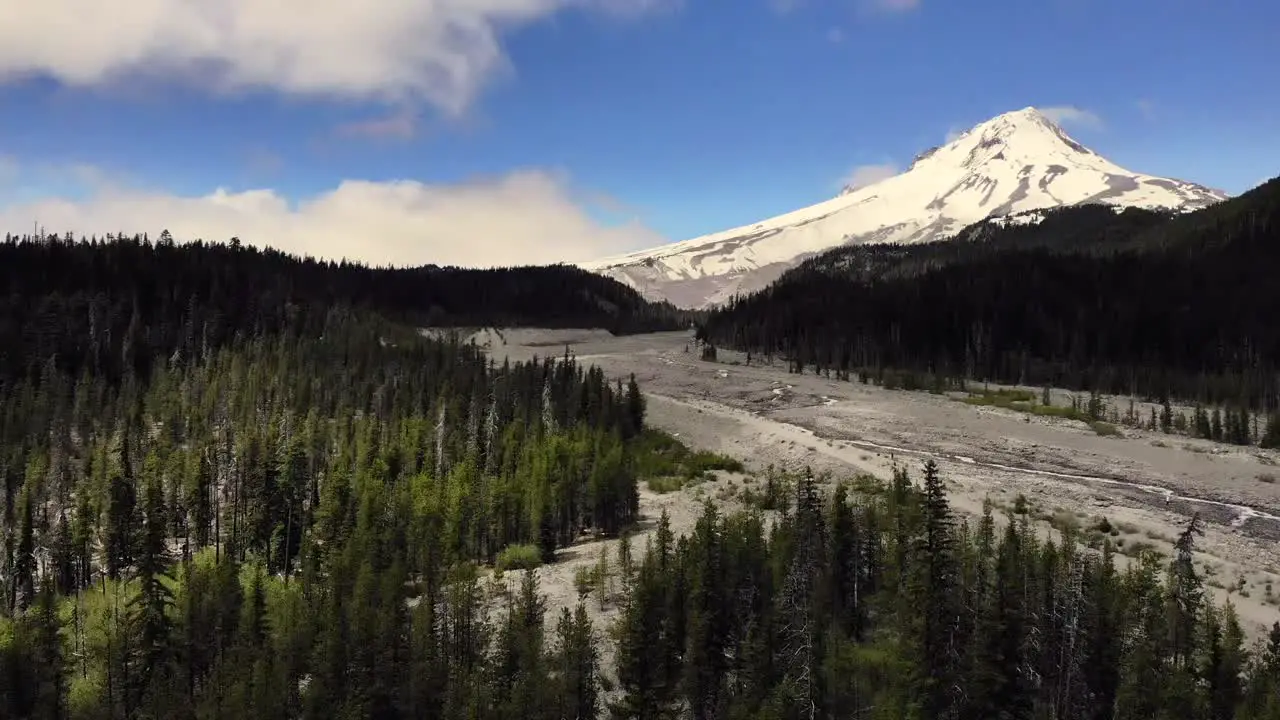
(1145, 484)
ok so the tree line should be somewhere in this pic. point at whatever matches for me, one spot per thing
(115, 305)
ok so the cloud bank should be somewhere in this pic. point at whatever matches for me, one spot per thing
(524, 217)
(436, 51)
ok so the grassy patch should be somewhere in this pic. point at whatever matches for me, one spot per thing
(659, 455)
(1001, 398)
(519, 557)
(1061, 411)
(1023, 401)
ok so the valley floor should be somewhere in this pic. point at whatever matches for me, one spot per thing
(1146, 485)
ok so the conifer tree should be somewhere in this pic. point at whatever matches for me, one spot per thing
(707, 633)
(576, 666)
(149, 617)
(934, 589)
(24, 561)
(635, 406)
(1271, 436)
(121, 519)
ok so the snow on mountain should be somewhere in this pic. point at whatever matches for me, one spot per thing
(1013, 163)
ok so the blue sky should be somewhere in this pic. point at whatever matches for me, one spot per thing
(493, 131)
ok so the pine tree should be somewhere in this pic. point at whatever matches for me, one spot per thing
(707, 633)
(149, 609)
(520, 672)
(120, 542)
(1261, 678)
(635, 407)
(1271, 436)
(24, 562)
(1186, 594)
(50, 686)
(845, 566)
(798, 603)
(1003, 629)
(1144, 681)
(934, 588)
(576, 665)
(1203, 427)
(642, 645)
(1223, 662)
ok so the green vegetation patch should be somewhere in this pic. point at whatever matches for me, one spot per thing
(519, 557)
(665, 483)
(659, 455)
(1025, 401)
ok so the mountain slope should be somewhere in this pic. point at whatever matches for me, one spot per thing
(1012, 163)
(1089, 228)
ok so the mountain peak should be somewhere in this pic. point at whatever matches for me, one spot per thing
(1026, 117)
(1028, 126)
(1015, 162)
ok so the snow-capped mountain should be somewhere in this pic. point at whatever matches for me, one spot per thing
(1013, 163)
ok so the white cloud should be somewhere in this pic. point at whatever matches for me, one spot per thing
(865, 175)
(438, 51)
(953, 134)
(1066, 115)
(524, 217)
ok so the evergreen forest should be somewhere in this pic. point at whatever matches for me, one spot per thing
(1135, 303)
(243, 485)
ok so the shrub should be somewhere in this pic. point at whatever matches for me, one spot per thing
(665, 484)
(583, 581)
(659, 454)
(519, 557)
